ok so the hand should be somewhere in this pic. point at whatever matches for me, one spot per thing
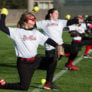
(4, 11)
(60, 50)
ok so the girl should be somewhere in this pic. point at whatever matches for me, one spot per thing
(26, 41)
(79, 39)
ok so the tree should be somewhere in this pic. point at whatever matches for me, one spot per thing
(13, 4)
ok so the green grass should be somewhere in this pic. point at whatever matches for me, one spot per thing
(71, 81)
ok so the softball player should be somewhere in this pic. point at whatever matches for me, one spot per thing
(52, 28)
(78, 37)
(76, 31)
(26, 41)
(89, 32)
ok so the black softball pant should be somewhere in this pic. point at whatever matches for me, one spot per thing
(86, 41)
(76, 46)
(26, 70)
(72, 49)
(52, 56)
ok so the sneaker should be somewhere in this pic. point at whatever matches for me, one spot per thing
(49, 85)
(2, 82)
(71, 67)
(87, 56)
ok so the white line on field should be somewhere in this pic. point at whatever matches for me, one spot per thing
(58, 75)
(64, 71)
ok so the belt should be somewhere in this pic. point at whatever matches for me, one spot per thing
(77, 40)
(27, 59)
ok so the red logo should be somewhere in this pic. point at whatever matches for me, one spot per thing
(53, 24)
(29, 37)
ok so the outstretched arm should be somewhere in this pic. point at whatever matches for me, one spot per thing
(72, 21)
(3, 27)
(58, 47)
(51, 42)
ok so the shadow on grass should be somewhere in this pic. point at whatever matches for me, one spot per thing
(8, 65)
(36, 86)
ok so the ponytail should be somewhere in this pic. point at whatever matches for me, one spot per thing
(50, 11)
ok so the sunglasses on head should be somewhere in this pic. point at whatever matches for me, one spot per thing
(29, 18)
(80, 17)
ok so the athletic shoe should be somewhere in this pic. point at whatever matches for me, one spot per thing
(87, 56)
(71, 67)
(49, 86)
(2, 82)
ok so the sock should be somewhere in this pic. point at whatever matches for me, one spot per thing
(70, 62)
(87, 50)
(67, 54)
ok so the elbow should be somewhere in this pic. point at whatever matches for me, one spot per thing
(1, 27)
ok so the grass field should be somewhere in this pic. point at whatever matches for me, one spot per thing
(69, 81)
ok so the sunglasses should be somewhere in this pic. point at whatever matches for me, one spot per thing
(29, 18)
(81, 17)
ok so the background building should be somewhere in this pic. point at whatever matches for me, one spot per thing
(44, 4)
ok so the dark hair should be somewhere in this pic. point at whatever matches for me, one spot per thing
(47, 17)
(23, 18)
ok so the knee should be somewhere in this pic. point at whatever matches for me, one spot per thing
(74, 50)
(24, 87)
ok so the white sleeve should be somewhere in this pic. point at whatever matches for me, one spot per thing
(43, 38)
(84, 26)
(72, 27)
(13, 32)
(64, 22)
(40, 24)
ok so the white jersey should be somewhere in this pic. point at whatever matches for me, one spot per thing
(80, 29)
(53, 29)
(26, 42)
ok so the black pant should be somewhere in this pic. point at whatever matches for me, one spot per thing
(86, 41)
(52, 63)
(76, 46)
(72, 49)
(26, 70)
